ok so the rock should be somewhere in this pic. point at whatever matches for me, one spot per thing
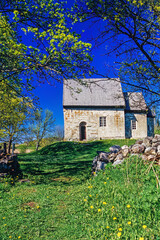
(151, 157)
(94, 164)
(147, 141)
(115, 148)
(23, 180)
(154, 140)
(143, 145)
(4, 168)
(158, 149)
(112, 156)
(100, 165)
(150, 151)
(95, 160)
(155, 144)
(139, 142)
(124, 147)
(10, 166)
(103, 156)
(117, 162)
(125, 152)
(137, 148)
(156, 137)
(144, 158)
(119, 157)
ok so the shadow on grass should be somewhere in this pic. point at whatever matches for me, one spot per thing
(70, 162)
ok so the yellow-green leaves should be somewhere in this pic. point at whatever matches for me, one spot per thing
(13, 110)
(36, 36)
(15, 12)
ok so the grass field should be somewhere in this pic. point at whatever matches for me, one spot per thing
(60, 199)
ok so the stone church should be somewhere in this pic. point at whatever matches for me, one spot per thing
(99, 110)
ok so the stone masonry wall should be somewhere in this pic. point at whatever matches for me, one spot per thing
(147, 149)
(115, 125)
(141, 125)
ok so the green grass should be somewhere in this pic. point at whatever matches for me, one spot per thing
(62, 200)
(22, 148)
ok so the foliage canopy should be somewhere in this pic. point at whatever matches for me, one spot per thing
(13, 113)
(131, 30)
(37, 40)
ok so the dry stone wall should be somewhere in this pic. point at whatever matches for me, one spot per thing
(148, 149)
(9, 166)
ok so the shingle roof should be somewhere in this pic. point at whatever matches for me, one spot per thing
(99, 92)
(135, 101)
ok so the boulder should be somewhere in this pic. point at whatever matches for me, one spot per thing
(117, 162)
(137, 148)
(112, 156)
(94, 164)
(150, 151)
(95, 160)
(115, 148)
(147, 142)
(139, 142)
(103, 156)
(156, 138)
(9, 166)
(155, 144)
(151, 157)
(125, 152)
(158, 149)
(143, 145)
(119, 157)
(144, 157)
(100, 165)
(124, 147)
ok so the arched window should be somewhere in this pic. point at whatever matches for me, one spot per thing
(82, 131)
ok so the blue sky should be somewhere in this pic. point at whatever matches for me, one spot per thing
(51, 97)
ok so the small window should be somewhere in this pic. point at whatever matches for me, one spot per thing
(102, 121)
(134, 124)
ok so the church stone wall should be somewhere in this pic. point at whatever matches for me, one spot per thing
(115, 124)
(141, 125)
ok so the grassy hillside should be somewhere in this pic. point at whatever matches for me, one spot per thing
(60, 199)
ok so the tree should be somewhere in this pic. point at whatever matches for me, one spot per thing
(53, 51)
(41, 125)
(131, 30)
(13, 112)
(59, 132)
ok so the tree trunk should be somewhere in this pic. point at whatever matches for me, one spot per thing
(37, 146)
(4, 148)
(9, 145)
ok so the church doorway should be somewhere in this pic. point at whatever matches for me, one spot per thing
(82, 129)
